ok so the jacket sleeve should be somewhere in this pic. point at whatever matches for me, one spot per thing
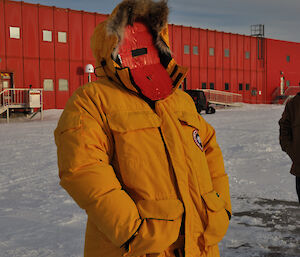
(285, 131)
(85, 149)
(215, 163)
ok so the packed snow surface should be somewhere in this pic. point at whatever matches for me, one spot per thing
(38, 218)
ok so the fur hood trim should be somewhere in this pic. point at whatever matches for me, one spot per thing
(153, 14)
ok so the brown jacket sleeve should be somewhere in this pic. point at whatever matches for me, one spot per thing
(285, 131)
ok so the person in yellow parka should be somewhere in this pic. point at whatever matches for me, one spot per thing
(134, 153)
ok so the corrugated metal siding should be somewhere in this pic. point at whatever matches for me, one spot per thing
(33, 60)
(2, 38)
(277, 52)
(195, 59)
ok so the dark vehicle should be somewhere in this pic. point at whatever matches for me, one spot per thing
(201, 101)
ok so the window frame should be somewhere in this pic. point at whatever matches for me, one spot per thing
(47, 33)
(14, 32)
(195, 50)
(44, 87)
(60, 85)
(186, 49)
(226, 86)
(247, 55)
(61, 34)
(226, 52)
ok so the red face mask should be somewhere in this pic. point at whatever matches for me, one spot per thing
(140, 55)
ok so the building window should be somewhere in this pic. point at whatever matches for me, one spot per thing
(211, 51)
(47, 35)
(226, 52)
(287, 83)
(247, 55)
(62, 37)
(63, 85)
(226, 86)
(240, 86)
(195, 50)
(203, 85)
(211, 85)
(253, 92)
(14, 32)
(288, 58)
(186, 49)
(247, 87)
(48, 85)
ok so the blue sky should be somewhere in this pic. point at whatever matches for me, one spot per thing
(281, 17)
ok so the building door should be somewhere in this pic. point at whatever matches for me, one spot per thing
(6, 82)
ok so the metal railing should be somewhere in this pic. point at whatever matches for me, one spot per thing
(288, 93)
(21, 98)
(221, 97)
(292, 90)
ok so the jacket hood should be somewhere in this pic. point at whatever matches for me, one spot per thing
(109, 34)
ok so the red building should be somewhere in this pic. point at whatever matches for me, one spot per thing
(48, 47)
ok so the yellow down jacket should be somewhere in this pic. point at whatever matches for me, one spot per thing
(141, 173)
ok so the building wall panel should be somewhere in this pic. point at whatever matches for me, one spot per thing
(3, 63)
(219, 52)
(15, 65)
(203, 51)
(226, 79)
(3, 37)
(89, 26)
(219, 80)
(47, 68)
(233, 51)
(46, 20)
(186, 41)
(177, 45)
(75, 35)
(62, 72)
(61, 24)
(195, 58)
(30, 30)
(253, 82)
(13, 18)
(247, 48)
(240, 52)
(226, 45)
(203, 77)
(233, 81)
(260, 76)
(32, 73)
(247, 80)
(77, 77)
(253, 54)
(211, 42)
(211, 77)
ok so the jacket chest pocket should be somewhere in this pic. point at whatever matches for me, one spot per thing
(139, 148)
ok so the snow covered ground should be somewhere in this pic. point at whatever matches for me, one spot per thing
(38, 218)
